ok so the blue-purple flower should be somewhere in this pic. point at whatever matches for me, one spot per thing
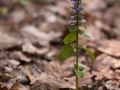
(74, 1)
(76, 10)
(76, 7)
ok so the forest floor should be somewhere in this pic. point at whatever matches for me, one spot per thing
(31, 35)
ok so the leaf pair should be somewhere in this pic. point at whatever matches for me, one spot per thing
(68, 49)
(73, 29)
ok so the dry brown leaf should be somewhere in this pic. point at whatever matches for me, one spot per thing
(111, 47)
(103, 65)
(17, 55)
(18, 86)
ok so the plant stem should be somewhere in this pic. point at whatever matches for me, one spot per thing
(77, 47)
(77, 61)
(77, 67)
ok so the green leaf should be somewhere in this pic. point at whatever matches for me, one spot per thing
(90, 53)
(66, 52)
(80, 74)
(84, 34)
(72, 28)
(70, 38)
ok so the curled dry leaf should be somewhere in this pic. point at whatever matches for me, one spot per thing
(19, 56)
(18, 86)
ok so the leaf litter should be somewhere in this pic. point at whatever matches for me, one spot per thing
(28, 59)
